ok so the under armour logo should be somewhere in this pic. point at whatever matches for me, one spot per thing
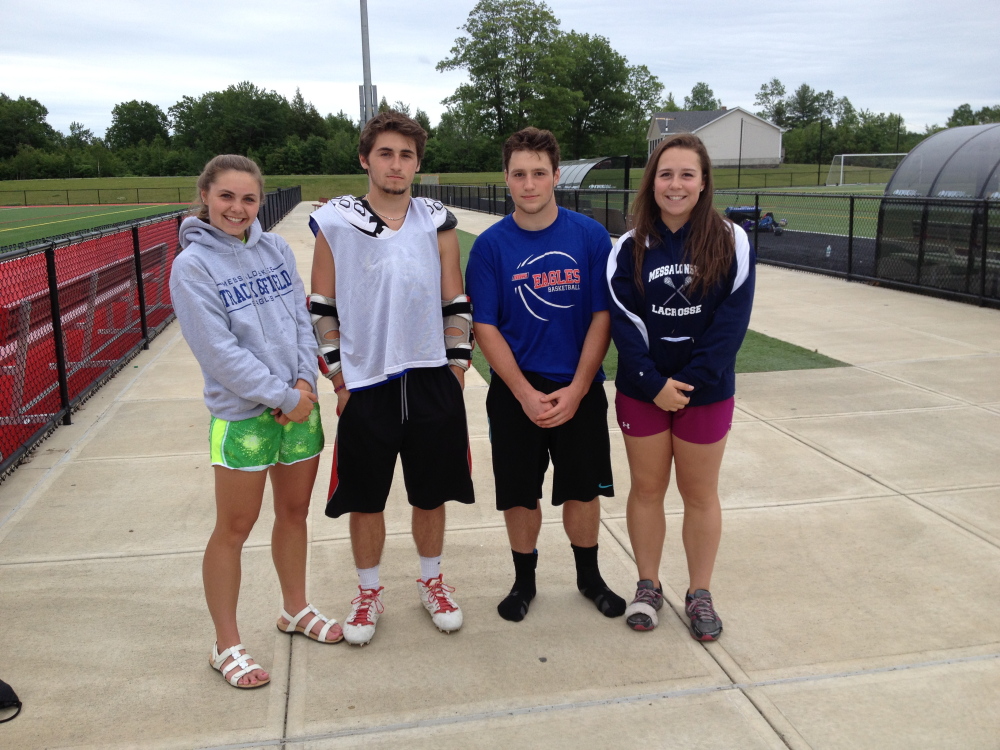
(626, 426)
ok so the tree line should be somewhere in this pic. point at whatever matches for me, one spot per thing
(522, 69)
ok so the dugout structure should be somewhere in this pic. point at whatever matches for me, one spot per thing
(938, 222)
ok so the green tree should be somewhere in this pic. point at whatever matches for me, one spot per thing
(133, 122)
(643, 91)
(505, 44)
(586, 93)
(79, 136)
(425, 121)
(702, 99)
(988, 114)
(806, 105)
(963, 115)
(303, 119)
(22, 123)
(460, 145)
(240, 119)
(771, 100)
(669, 105)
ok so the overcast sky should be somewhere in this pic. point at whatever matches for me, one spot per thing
(915, 57)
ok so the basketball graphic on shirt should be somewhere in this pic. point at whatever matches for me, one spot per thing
(537, 279)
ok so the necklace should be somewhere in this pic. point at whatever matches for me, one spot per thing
(383, 216)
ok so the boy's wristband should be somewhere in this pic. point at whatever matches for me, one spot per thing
(339, 388)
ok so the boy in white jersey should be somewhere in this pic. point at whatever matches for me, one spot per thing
(394, 332)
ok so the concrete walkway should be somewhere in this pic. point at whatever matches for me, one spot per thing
(859, 575)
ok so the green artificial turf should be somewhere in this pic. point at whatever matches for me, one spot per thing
(37, 222)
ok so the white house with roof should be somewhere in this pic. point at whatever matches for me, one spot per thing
(720, 132)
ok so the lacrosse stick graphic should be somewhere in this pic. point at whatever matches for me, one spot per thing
(670, 282)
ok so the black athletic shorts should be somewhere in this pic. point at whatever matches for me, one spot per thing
(420, 417)
(580, 449)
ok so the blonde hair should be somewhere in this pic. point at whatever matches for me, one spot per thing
(218, 165)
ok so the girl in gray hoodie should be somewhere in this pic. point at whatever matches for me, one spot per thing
(242, 309)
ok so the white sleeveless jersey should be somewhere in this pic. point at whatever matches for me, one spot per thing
(388, 289)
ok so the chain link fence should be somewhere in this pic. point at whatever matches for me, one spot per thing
(945, 247)
(74, 311)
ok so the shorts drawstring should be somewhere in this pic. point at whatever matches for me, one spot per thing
(404, 406)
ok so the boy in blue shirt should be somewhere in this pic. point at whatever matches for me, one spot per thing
(541, 317)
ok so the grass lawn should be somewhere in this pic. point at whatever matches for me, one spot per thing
(32, 223)
(759, 353)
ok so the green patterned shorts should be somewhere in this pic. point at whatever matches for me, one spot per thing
(260, 442)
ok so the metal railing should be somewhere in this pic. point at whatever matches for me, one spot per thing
(944, 247)
(74, 311)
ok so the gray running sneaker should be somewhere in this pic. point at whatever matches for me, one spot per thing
(641, 613)
(706, 625)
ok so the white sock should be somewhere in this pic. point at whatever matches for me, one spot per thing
(368, 577)
(430, 567)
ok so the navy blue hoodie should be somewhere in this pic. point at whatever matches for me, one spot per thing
(665, 331)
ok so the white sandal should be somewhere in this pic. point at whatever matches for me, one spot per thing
(293, 626)
(239, 660)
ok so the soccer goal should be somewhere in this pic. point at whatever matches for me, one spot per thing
(862, 169)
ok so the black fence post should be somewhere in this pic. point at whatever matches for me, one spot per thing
(922, 241)
(756, 221)
(986, 246)
(970, 262)
(850, 239)
(57, 334)
(141, 287)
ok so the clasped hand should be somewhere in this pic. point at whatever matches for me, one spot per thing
(671, 397)
(302, 410)
(551, 409)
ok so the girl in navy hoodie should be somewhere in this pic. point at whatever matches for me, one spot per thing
(681, 286)
(242, 310)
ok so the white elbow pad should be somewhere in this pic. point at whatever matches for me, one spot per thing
(326, 325)
(458, 337)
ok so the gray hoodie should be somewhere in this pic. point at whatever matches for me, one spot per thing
(242, 310)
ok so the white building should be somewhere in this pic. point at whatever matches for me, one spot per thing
(720, 132)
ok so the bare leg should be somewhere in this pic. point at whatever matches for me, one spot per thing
(292, 485)
(238, 497)
(649, 466)
(367, 538)
(523, 526)
(698, 482)
(582, 521)
(428, 531)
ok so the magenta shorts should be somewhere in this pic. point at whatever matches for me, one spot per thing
(693, 424)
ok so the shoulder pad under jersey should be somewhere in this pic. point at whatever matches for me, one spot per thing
(355, 212)
(443, 218)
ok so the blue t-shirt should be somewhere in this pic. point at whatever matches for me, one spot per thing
(541, 289)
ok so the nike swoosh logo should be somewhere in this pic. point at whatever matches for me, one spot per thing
(604, 486)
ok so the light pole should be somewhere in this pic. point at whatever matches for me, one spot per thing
(366, 91)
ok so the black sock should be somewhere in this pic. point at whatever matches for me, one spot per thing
(515, 606)
(592, 586)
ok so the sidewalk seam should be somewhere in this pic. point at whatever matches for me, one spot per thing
(621, 700)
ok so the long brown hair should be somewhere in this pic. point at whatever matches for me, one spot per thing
(709, 245)
(215, 167)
